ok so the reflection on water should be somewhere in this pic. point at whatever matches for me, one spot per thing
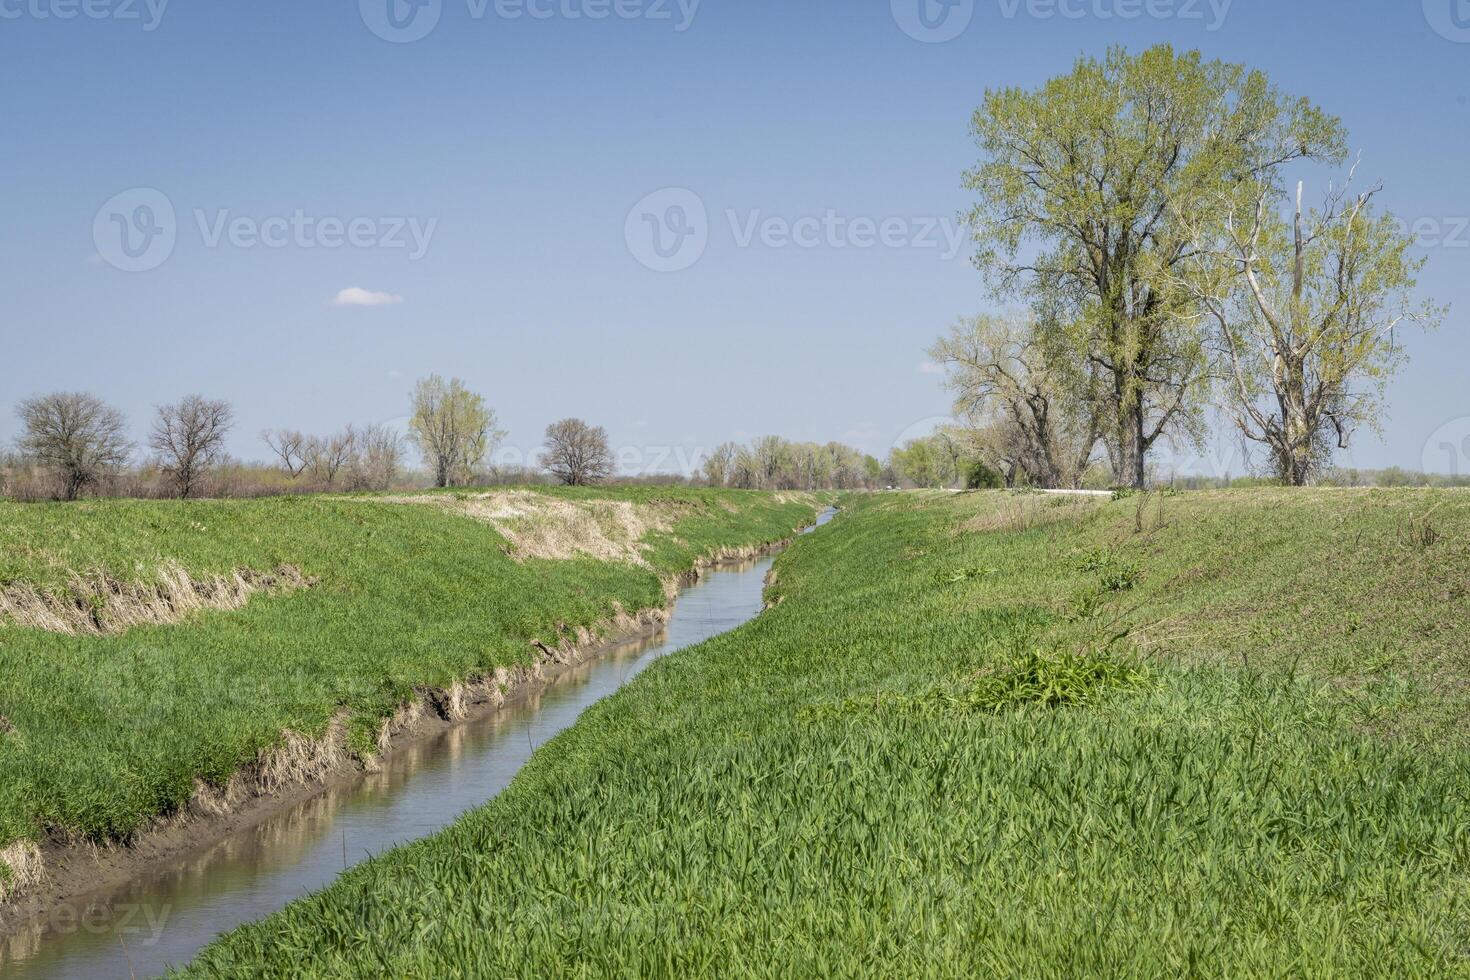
(168, 915)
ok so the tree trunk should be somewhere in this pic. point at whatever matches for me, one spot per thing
(1139, 451)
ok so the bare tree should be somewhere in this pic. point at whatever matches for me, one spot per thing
(771, 453)
(718, 464)
(378, 458)
(74, 434)
(577, 453)
(290, 447)
(188, 437)
(453, 428)
(327, 456)
(745, 472)
(1004, 379)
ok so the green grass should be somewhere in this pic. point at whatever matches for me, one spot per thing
(985, 735)
(107, 732)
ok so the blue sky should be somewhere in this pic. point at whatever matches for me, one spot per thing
(822, 141)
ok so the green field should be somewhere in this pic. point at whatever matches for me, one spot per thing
(1215, 734)
(109, 718)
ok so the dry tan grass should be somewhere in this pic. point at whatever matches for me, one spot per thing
(21, 867)
(97, 603)
(1019, 512)
(539, 526)
(300, 759)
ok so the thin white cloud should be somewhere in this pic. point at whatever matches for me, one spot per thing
(365, 297)
(929, 367)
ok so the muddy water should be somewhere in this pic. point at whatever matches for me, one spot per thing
(164, 918)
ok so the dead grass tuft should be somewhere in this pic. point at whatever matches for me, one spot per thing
(300, 759)
(539, 526)
(98, 603)
(21, 867)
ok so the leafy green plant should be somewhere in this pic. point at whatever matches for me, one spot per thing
(1064, 680)
(1120, 578)
(1093, 560)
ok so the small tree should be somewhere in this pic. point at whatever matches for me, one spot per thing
(771, 455)
(1045, 416)
(923, 462)
(719, 463)
(189, 437)
(452, 427)
(378, 459)
(577, 453)
(75, 435)
(326, 457)
(745, 471)
(290, 447)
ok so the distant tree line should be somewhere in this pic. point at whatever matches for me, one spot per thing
(773, 463)
(74, 444)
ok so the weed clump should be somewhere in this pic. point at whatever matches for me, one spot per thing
(1069, 680)
(1420, 533)
(1033, 679)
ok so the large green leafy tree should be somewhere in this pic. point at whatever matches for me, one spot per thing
(1083, 194)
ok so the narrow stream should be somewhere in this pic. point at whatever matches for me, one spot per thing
(164, 918)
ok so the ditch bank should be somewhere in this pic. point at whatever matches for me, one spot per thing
(64, 880)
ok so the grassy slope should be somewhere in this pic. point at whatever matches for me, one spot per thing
(110, 731)
(760, 804)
